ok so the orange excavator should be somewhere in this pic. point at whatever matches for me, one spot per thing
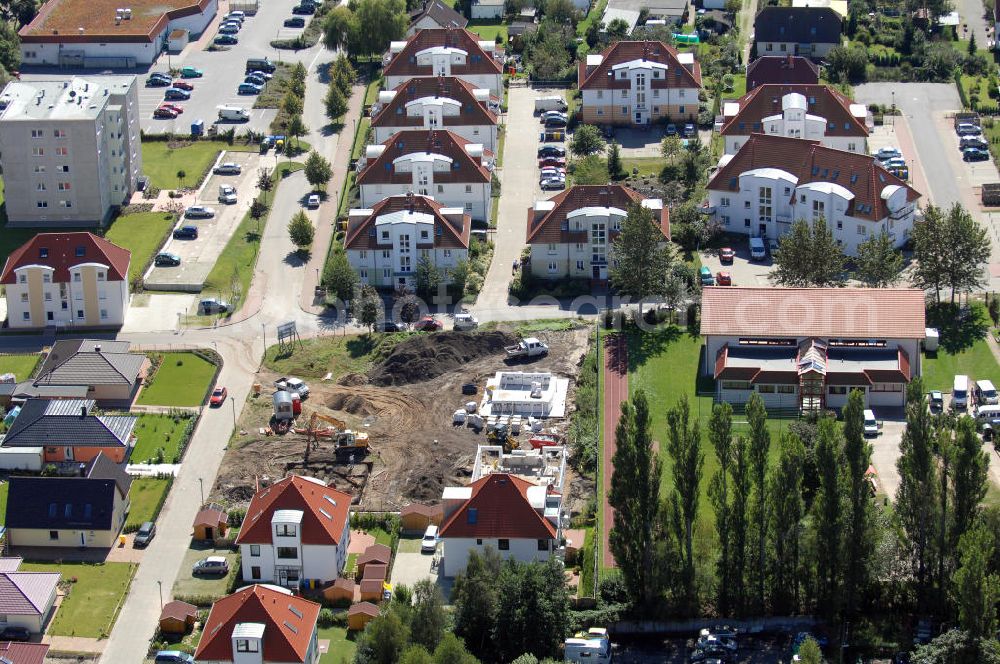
(345, 440)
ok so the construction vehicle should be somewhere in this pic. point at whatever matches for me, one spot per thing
(500, 436)
(530, 347)
(345, 440)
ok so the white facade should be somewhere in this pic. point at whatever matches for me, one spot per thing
(795, 122)
(286, 560)
(487, 9)
(769, 201)
(815, 50)
(433, 111)
(528, 394)
(640, 103)
(441, 59)
(455, 551)
(88, 299)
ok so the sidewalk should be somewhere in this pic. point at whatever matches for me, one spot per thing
(615, 392)
(328, 210)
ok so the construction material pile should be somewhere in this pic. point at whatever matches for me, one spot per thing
(427, 356)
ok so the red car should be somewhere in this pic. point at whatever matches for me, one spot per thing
(559, 162)
(726, 255)
(723, 278)
(183, 85)
(218, 397)
(173, 107)
(164, 112)
(428, 324)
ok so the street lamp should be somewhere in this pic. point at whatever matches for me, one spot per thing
(160, 585)
(201, 489)
(232, 401)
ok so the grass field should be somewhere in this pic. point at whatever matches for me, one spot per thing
(155, 431)
(337, 355)
(92, 605)
(142, 233)
(4, 489)
(489, 30)
(204, 587)
(146, 495)
(181, 380)
(648, 167)
(342, 645)
(21, 366)
(372, 90)
(161, 163)
(976, 362)
(361, 138)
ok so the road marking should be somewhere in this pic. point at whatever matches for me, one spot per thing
(313, 63)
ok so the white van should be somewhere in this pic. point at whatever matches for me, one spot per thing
(986, 394)
(592, 646)
(988, 414)
(554, 103)
(465, 322)
(871, 424)
(757, 250)
(960, 393)
(429, 542)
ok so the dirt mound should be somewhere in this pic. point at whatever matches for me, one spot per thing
(353, 380)
(355, 404)
(428, 356)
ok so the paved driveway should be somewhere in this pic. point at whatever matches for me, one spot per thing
(743, 271)
(885, 453)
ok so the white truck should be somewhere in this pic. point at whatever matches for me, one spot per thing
(233, 113)
(227, 194)
(292, 384)
(554, 103)
(530, 347)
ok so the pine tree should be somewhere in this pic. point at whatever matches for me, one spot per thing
(615, 169)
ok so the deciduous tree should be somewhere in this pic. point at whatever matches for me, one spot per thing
(318, 170)
(428, 277)
(879, 263)
(427, 620)
(335, 102)
(643, 256)
(339, 278)
(587, 139)
(809, 256)
(300, 230)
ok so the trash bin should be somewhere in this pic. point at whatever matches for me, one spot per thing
(198, 128)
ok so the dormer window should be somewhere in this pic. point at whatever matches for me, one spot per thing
(285, 530)
(81, 252)
(43, 252)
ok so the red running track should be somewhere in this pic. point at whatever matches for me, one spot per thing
(615, 392)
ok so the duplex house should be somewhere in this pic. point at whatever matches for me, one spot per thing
(434, 14)
(84, 511)
(445, 102)
(454, 171)
(295, 529)
(572, 233)
(27, 599)
(260, 624)
(774, 181)
(98, 369)
(815, 112)
(66, 280)
(637, 83)
(502, 511)
(445, 52)
(785, 69)
(811, 32)
(385, 243)
(807, 348)
(68, 430)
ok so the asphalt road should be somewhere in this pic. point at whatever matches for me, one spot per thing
(971, 12)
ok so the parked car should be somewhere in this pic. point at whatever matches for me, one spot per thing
(552, 183)
(228, 30)
(465, 322)
(218, 398)
(173, 107)
(552, 172)
(551, 151)
(553, 114)
(166, 259)
(15, 633)
(199, 212)
(191, 72)
(144, 535)
(186, 233)
(211, 305)
(428, 324)
(172, 94)
(306, 8)
(228, 168)
(236, 15)
(183, 85)
(265, 74)
(973, 142)
(723, 278)
(164, 113)
(887, 153)
(173, 657)
(249, 89)
(158, 82)
(211, 565)
(428, 543)
(705, 276)
(313, 201)
(226, 40)
(935, 401)
(975, 154)
(967, 129)
(551, 123)
(671, 129)
(690, 130)
(726, 255)
(389, 326)
(295, 22)
(255, 78)
(558, 162)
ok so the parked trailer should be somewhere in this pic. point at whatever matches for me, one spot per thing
(991, 194)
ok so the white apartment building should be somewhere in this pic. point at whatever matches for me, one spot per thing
(69, 149)
(385, 243)
(572, 233)
(774, 181)
(438, 103)
(66, 280)
(814, 112)
(445, 52)
(455, 172)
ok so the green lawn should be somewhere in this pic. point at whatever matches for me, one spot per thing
(94, 598)
(977, 362)
(489, 30)
(372, 90)
(202, 590)
(240, 254)
(314, 358)
(361, 138)
(161, 163)
(342, 646)
(21, 366)
(381, 537)
(146, 496)
(182, 379)
(153, 432)
(648, 167)
(4, 489)
(142, 233)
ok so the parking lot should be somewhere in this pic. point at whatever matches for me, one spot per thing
(743, 271)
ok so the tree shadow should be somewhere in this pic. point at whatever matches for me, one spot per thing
(297, 258)
(331, 128)
(644, 345)
(960, 327)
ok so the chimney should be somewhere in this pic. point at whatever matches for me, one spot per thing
(83, 410)
(97, 348)
(83, 470)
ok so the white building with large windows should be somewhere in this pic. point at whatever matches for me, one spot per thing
(385, 243)
(445, 52)
(774, 181)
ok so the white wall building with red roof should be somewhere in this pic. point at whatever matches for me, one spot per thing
(66, 279)
(298, 528)
(773, 181)
(445, 52)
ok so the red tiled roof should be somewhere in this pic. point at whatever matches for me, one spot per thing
(548, 228)
(597, 77)
(809, 161)
(316, 501)
(498, 508)
(452, 236)
(876, 313)
(23, 653)
(178, 610)
(288, 621)
(478, 61)
(472, 112)
(366, 608)
(781, 69)
(210, 516)
(449, 144)
(821, 100)
(62, 255)
(376, 553)
(60, 21)
(423, 510)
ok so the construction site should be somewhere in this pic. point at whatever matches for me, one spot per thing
(397, 433)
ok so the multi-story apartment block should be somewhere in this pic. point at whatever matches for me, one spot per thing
(438, 103)
(66, 279)
(445, 52)
(638, 83)
(454, 171)
(774, 181)
(571, 234)
(69, 149)
(815, 112)
(385, 243)
(811, 32)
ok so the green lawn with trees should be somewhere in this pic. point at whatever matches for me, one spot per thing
(163, 160)
(142, 233)
(155, 432)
